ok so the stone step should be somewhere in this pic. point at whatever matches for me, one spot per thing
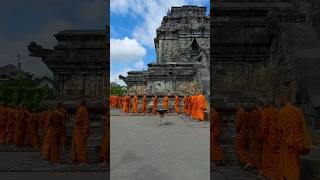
(92, 124)
(94, 141)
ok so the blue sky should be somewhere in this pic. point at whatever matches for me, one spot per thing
(133, 26)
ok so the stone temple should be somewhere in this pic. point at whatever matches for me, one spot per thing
(263, 50)
(182, 49)
(78, 63)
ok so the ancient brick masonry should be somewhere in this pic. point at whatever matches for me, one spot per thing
(182, 48)
(262, 50)
(78, 63)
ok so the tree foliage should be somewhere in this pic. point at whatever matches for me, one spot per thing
(117, 90)
(24, 89)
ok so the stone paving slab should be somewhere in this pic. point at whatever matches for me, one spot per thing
(54, 176)
(232, 173)
(140, 150)
(12, 148)
(193, 123)
(33, 163)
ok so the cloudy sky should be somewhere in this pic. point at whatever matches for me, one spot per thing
(37, 20)
(133, 26)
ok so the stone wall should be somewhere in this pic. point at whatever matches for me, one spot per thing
(78, 62)
(312, 10)
(241, 49)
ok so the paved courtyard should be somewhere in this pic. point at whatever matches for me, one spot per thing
(141, 150)
(27, 165)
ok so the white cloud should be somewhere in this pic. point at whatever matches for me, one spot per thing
(128, 54)
(151, 12)
(139, 65)
(114, 76)
(119, 6)
(126, 51)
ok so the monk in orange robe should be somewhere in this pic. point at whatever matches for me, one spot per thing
(105, 145)
(215, 132)
(45, 118)
(185, 105)
(193, 106)
(135, 104)
(119, 102)
(144, 104)
(271, 142)
(291, 128)
(165, 102)
(56, 131)
(10, 125)
(201, 107)
(255, 136)
(127, 100)
(32, 137)
(3, 123)
(80, 135)
(124, 103)
(20, 126)
(189, 106)
(242, 139)
(177, 104)
(154, 104)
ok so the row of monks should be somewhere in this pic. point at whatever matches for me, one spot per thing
(194, 105)
(46, 131)
(267, 138)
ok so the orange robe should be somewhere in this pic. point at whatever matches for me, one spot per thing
(185, 104)
(154, 105)
(135, 104)
(127, 101)
(271, 142)
(242, 139)
(193, 107)
(165, 102)
(189, 105)
(3, 123)
(56, 132)
(119, 102)
(255, 137)
(144, 104)
(45, 119)
(32, 137)
(20, 127)
(291, 128)
(105, 145)
(177, 104)
(201, 107)
(10, 125)
(80, 135)
(215, 132)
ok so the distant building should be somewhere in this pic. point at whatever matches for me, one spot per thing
(10, 71)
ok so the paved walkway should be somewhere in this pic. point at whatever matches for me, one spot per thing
(141, 150)
(27, 165)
